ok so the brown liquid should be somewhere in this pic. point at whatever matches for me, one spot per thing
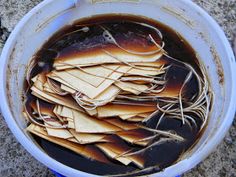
(165, 154)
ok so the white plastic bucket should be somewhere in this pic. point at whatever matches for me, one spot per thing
(195, 25)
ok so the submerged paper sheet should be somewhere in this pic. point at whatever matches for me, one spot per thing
(86, 151)
(100, 56)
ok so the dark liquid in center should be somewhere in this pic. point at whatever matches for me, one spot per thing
(163, 155)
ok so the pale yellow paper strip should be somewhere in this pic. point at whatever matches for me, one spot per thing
(122, 124)
(57, 99)
(87, 138)
(86, 124)
(117, 110)
(94, 75)
(86, 88)
(131, 87)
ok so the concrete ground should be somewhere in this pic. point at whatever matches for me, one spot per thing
(16, 162)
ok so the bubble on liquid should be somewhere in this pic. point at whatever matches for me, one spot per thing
(41, 64)
(85, 29)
